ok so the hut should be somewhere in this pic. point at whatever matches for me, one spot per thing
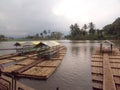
(26, 47)
(47, 49)
(106, 46)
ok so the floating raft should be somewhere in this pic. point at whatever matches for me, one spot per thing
(106, 70)
(31, 67)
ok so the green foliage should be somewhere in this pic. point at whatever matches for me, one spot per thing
(44, 35)
(82, 34)
(2, 38)
(112, 31)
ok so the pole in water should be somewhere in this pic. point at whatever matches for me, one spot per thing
(57, 88)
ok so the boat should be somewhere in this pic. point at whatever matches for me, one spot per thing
(40, 61)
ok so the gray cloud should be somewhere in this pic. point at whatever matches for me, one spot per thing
(23, 17)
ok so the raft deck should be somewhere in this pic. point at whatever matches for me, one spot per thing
(36, 68)
(106, 70)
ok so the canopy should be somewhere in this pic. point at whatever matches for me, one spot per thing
(107, 42)
(48, 43)
(38, 43)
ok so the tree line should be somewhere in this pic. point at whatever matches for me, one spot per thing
(89, 32)
(46, 35)
(2, 38)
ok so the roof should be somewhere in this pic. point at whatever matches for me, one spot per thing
(38, 43)
(48, 43)
(32, 43)
(107, 42)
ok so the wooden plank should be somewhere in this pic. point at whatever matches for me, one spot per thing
(116, 71)
(97, 70)
(115, 65)
(7, 56)
(97, 85)
(97, 77)
(26, 62)
(22, 69)
(97, 60)
(4, 61)
(108, 81)
(117, 80)
(39, 72)
(52, 63)
(11, 68)
(100, 64)
(18, 58)
(114, 60)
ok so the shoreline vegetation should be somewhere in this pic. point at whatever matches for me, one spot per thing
(85, 32)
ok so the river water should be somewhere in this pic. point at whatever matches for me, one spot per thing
(74, 73)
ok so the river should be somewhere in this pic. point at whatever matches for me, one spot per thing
(74, 73)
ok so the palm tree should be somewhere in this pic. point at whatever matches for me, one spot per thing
(85, 27)
(91, 28)
(41, 34)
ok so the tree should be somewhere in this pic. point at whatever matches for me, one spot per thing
(41, 34)
(112, 30)
(75, 31)
(37, 35)
(91, 28)
(85, 27)
(45, 32)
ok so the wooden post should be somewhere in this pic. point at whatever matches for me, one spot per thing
(111, 47)
(57, 88)
(101, 48)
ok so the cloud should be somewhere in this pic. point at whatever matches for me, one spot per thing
(23, 17)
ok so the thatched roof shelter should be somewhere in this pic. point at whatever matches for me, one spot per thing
(106, 46)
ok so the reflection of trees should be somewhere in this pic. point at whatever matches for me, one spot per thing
(75, 50)
(82, 49)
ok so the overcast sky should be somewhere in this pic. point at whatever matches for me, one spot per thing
(23, 17)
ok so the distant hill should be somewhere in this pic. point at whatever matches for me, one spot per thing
(112, 30)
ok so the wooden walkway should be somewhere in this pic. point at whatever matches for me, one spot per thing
(106, 70)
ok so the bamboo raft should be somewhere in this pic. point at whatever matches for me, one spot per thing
(106, 70)
(31, 67)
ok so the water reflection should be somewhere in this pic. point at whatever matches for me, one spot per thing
(75, 50)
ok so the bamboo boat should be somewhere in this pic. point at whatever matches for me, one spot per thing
(31, 66)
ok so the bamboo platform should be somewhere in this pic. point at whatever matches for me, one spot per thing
(14, 57)
(31, 67)
(106, 70)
